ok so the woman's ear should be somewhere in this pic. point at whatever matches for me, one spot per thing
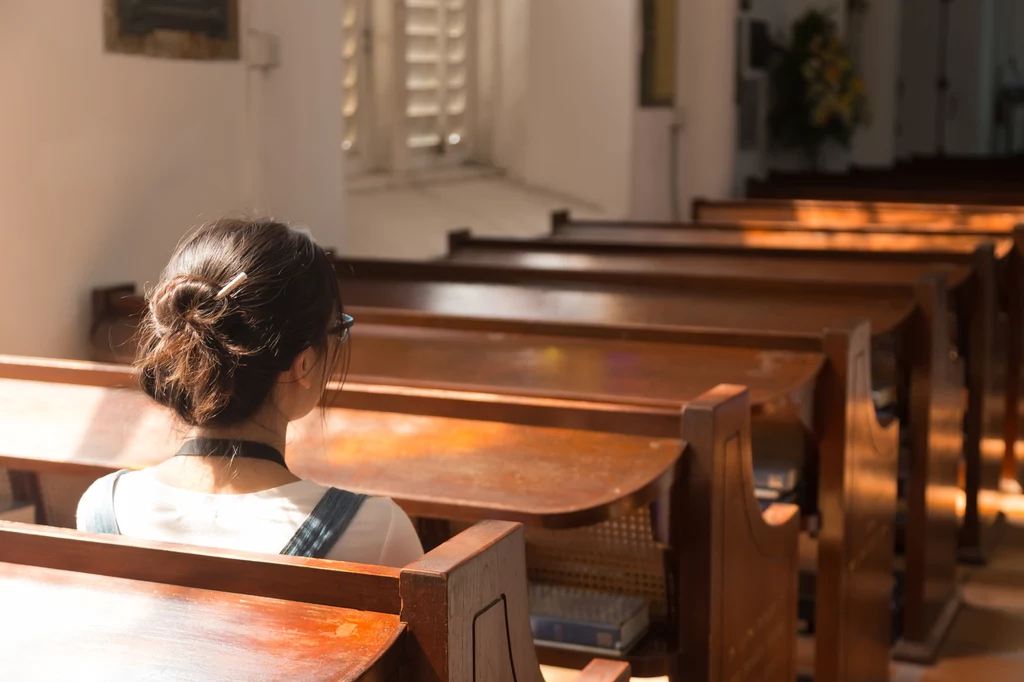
(302, 367)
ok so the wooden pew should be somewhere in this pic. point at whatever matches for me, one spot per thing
(971, 299)
(660, 301)
(948, 219)
(992, 422)
(121, 609)
(655, 379)
(541, 302)
(475, 291)
(704, 555)
(995, 195)
(858, 214)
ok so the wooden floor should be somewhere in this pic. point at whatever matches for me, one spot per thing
(986, 643)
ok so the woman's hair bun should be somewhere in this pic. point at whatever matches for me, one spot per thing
(214, 359)
(184, 302)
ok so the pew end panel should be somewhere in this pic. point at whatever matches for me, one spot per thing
(115, 317)
(984, 420)
(467, 609)
(936, 450)
(560, 217)
(1014, 466)
(857, 499)
(458, 237)
(751, 620)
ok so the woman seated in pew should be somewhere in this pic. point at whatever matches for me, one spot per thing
(240, 336)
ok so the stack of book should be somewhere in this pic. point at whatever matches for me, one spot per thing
(586, 619)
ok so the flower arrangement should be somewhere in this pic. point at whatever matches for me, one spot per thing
(817, 93)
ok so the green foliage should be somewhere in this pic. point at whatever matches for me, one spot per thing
(816, 92)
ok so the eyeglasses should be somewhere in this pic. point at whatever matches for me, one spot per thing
(342, 327)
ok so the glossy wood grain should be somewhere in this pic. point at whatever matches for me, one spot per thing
(665, 375)
(765, 546)
(276, 599)
(713, 236)
(438, 467)
(115, 629)
(939, 217)
(936, 447)
(590, 362)
(812, 267)
(294, 579)
(529, 294)
(991, 309)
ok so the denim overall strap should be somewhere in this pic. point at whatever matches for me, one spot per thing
(101, 518)
(325, 524)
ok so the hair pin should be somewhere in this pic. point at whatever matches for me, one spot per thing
(231, 286)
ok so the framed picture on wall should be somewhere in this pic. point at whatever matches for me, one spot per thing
(658, 60)
(172, 29)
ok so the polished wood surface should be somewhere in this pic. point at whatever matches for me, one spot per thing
(858, 502)
(589, 362)
(382, 623)
(993, 314)
(468, 464)
(765, 546)
(115, 629)
(936, 447)
(796, 264)
(661, 375)
(974, 280)
(902, 216)
(711, 236)
(530, 294)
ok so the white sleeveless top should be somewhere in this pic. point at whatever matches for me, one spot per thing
(380, 533)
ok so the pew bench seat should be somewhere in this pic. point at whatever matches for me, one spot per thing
(116, 629)
(117, 609)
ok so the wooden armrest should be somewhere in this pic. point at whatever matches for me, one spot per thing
(464, 546)
(603, 670)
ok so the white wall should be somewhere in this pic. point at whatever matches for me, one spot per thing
(651, 192)
(581, 94)
(106, 159)
(513, 43)
(917, 106)
(705, 99)
(971, 70)
(300, 174)
(875, 142)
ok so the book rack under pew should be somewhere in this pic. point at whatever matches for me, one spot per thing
(123, 609)
(980, 264)
(792, 393)
(728, 571)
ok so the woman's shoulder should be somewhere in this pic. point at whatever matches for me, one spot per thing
(96, 506)
(380, 533)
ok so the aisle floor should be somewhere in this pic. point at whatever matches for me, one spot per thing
(408, 220)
